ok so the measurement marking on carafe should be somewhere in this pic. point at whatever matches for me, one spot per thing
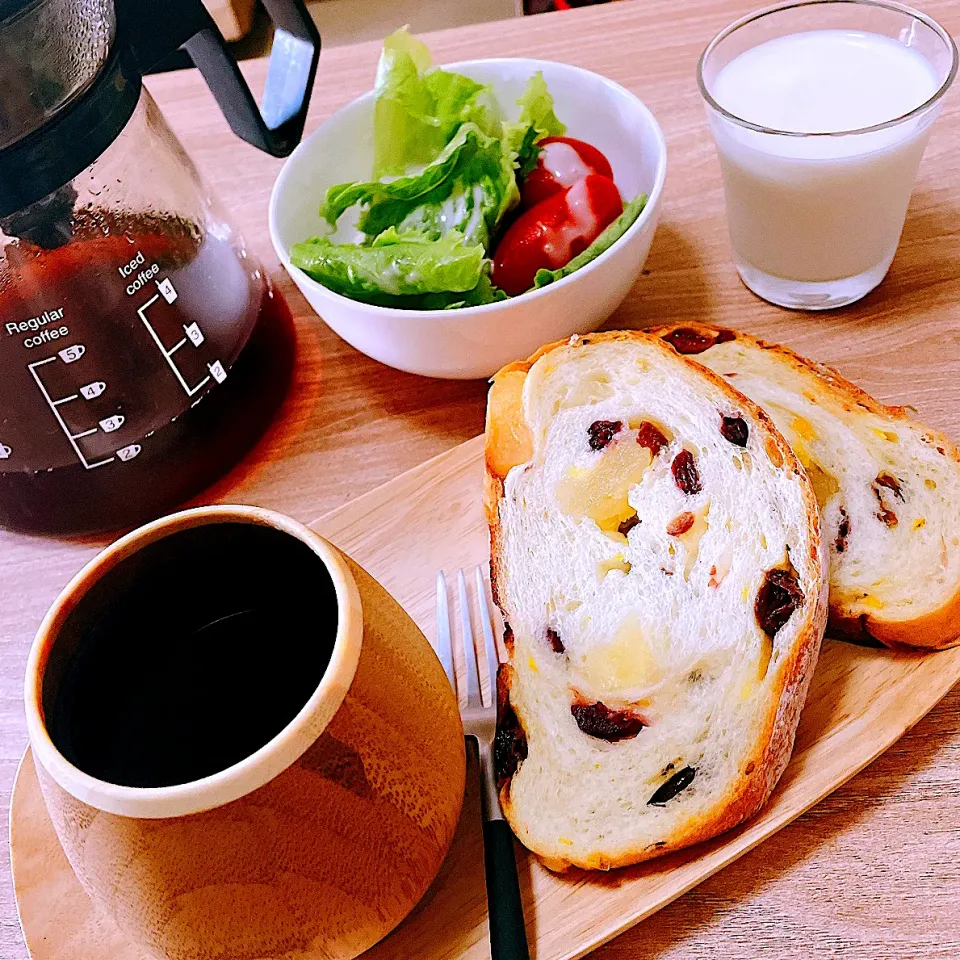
(168, 290)
(93, 390)
(67, 356)
(75, 396)
(86, 433)
(193, 334)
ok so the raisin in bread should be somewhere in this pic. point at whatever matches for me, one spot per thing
(888, 487)
(657, 557)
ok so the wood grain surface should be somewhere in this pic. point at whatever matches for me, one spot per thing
(860, 701)
(233, 17)
(873, 873)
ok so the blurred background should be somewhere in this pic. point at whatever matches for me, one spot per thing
(245, 24)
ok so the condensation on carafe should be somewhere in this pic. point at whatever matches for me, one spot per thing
(50, 52)
(154, 351)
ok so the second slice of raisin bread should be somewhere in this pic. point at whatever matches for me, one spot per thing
(656, 554)
(888, 487)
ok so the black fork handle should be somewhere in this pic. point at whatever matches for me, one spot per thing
(508, 933)
(155, 28)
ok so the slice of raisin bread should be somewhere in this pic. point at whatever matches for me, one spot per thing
(657, 557)
(888, 487)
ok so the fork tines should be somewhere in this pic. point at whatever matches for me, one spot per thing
(470, 652)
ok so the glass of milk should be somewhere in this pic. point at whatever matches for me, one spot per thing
(821, 111)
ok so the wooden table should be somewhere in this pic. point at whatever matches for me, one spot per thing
(233, 17)
(873, 873)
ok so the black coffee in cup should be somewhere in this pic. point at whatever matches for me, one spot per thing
(190, 655)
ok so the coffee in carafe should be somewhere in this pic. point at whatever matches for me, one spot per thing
(143, 350)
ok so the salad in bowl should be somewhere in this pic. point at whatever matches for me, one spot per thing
(500, 204)
(440, 226)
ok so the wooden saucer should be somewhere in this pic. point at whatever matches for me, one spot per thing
(59, 921)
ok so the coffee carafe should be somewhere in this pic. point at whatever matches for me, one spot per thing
(142, 350)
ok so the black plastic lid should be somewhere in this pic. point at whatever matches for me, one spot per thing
(35, 167)
(42, 162)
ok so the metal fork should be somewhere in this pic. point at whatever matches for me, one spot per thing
(508, 936)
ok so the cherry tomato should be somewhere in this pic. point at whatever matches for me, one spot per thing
(562, 162)
(549, 235)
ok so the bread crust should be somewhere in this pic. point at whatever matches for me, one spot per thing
(934, 630)
(763, 768)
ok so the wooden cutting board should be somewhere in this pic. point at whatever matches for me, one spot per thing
(861, 700)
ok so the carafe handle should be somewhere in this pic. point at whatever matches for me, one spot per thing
(156, 29)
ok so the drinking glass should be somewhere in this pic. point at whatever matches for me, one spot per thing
(815, 217)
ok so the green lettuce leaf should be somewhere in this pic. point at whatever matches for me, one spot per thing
(394, 264)
(483, 292)
(462, 100)
(418, 110)
(402, 41)
(469, 188)
(537, 120)
(603, 243)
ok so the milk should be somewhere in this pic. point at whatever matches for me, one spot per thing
(821, 208)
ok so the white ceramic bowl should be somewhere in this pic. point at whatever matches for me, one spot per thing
(476, 341)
